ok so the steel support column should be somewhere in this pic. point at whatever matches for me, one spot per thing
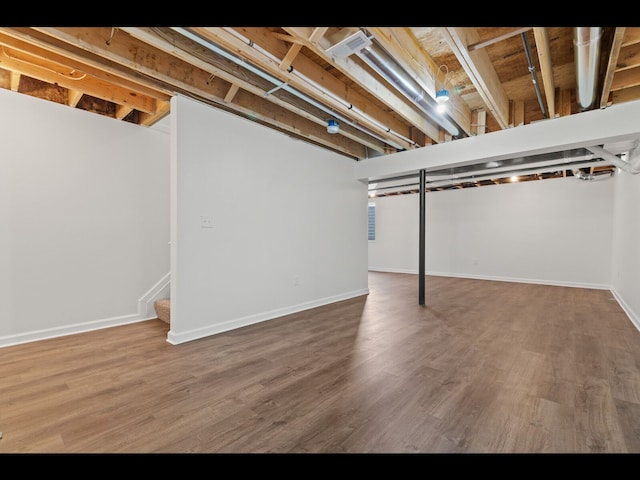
(421, 267)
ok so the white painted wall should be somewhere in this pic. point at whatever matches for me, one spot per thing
(280, 210)
(84, 218)
(84, 227)
(553, 231)
(626, 239)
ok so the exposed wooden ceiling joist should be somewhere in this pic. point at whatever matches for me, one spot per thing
(479, 68)
(131, 73)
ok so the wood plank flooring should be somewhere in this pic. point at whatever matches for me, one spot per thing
(484, 367)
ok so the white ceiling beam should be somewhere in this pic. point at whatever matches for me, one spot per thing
(618, 125)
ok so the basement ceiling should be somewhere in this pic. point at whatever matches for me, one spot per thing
(378, 84)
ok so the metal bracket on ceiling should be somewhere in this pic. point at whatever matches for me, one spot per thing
(276, 88)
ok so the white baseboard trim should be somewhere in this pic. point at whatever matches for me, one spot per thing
(555, 283)
(195, 334)
(393, 270)
(627, 309)
(496, 279)
(46, 334)
(159, 291)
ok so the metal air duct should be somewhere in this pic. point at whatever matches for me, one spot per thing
(378, 59)
(586, 51)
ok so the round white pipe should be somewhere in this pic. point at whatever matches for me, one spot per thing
(454, 179)
(632, 167)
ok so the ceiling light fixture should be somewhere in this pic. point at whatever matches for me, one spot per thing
(332, 126)
(442, 94)
(442, 97)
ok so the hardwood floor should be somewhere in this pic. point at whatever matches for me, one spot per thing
(484, 367)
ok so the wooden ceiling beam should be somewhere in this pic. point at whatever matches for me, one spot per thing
(73, 97)
(629, 55)
(499, 38)
(47, 47)
(54, 73)
(232, 92)
(122, 111)
(148, 119)
(297, 46)
(626, 79)
(15, 80)
(612, 63)
(631, 36)
(546, 68)
(480, 71)
(625, 94)
(291, 54)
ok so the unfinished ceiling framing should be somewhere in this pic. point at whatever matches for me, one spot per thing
(378, 85)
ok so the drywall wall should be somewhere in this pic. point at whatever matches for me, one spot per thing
(552, 231)
(84, 216)
(262, 224)
(625, 277)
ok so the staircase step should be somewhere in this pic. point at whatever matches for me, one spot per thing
(163, 309)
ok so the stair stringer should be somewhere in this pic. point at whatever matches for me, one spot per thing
(161, 290)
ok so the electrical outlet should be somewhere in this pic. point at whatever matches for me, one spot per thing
(206, 221)
(296, 280)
